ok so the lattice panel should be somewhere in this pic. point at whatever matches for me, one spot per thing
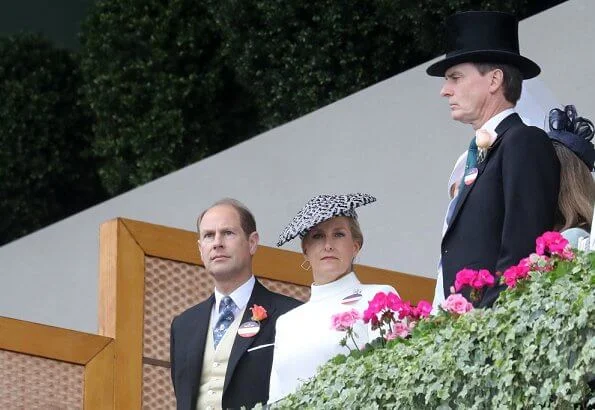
(158, 392)
(170, 288)
(28, 382)
(288, 289)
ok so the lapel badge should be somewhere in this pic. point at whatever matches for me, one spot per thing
(470, 176)
(352, 298)
(249, 329)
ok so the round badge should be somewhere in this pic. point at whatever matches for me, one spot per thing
(354, 297)
(470, 176)
(249, 329)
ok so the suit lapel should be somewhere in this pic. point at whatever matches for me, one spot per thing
(241, 344)
(501, 129)
(196, 343)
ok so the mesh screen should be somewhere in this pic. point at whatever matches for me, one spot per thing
(170, 288)
(28, 382)
(158, 392)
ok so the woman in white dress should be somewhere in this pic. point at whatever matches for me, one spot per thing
(572, 136)
(331, 239)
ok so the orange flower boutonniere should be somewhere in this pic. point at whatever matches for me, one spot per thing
(258, 313)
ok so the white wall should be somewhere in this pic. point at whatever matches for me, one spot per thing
(394, 140)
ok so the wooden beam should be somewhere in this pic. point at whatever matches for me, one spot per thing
(99, 380)
(165, 242)
(48, 341)
(122, 273)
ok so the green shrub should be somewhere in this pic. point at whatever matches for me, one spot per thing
(534, 349)
(46, 170)
(161, 92)
(298, 56)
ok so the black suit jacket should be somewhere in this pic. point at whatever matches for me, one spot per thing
(512, 201)
(248, 373)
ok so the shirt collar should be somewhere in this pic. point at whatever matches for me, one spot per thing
(240, 296)
(493, 122)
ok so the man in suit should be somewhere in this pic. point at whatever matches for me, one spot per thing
(508, 195)
(216, 359)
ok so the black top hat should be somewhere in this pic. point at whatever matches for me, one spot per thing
(483, 37)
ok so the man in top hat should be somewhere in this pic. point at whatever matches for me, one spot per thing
(508, 195)
(222, 348)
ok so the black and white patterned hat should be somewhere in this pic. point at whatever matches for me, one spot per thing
(322, 208)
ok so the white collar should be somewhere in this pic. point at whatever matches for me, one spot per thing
(493, 122)
(337, 287)
(240, 296)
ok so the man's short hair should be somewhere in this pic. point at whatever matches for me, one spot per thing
(247, 220)
(512, 79)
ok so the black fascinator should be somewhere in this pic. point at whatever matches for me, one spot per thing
(574, 132)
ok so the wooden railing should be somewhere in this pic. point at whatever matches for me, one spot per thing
(148, 274)
(48, 367)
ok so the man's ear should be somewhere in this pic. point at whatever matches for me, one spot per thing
(253, 242)
(496, 80)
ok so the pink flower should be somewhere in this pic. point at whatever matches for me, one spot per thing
(400, 329)
(483, 278)
(368, 315)
(344, 320)
(423, 309)
(567, 253)
(393, 301)
(405, 310)
(378, 302)
(474, 279)
(457, 303)
(552, 242)
(464, 277)
(513, 274)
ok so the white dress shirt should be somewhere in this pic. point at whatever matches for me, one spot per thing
(240, 297)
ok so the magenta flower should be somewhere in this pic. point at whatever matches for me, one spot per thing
(423, 309)
(464, 277)
(368, 315)
(515, 273)
(554, 244)
(393, 302)
(483, 278)
(378, 302)
(405, 310)
(456, 303)
(474, 279)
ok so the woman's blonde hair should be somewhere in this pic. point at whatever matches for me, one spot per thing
(577, 191)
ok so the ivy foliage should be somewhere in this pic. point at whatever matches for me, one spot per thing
(534, 349)
(47, 171)
(162, 93)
